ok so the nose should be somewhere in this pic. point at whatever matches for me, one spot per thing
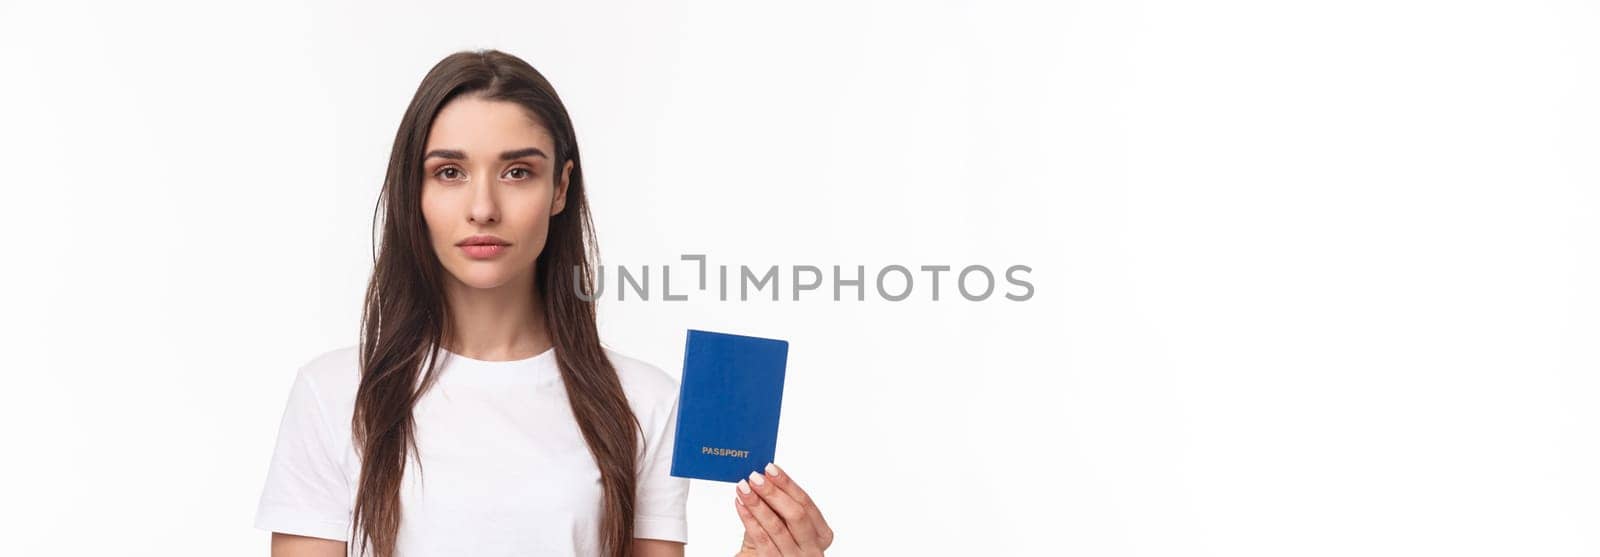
(485, 208)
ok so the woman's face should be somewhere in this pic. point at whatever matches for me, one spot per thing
(487, 171)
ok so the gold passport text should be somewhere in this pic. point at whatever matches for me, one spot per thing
(719, 451)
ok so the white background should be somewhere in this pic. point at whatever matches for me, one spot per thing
(1312, 278)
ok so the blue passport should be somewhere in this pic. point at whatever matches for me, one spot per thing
(728, 402)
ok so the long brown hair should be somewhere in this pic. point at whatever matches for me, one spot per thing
(404, 317)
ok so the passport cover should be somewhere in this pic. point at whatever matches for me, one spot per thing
(728, 402)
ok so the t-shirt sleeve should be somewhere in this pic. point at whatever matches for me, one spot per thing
(306, 492)
(662, 498)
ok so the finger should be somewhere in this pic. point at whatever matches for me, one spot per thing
(794, 514)
(755, 536)
(784, 481)
(769, 540)
(768, 519)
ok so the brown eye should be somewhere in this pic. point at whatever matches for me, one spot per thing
(518, 173)
(448, 173)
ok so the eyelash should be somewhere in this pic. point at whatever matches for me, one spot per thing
(529, 173)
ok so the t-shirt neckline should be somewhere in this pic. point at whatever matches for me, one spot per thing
(541, 359)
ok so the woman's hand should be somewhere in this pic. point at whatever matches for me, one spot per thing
(779, 518)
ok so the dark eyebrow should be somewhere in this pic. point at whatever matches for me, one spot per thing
(525, 152)
(506, 156)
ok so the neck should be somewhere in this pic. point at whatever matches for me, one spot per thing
(496, 324)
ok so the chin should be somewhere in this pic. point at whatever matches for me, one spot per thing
(483, 275)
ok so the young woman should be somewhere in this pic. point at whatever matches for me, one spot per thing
(480, 415)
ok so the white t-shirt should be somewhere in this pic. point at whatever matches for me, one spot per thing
(505, 469)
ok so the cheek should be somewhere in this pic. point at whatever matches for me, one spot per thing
(533, 224)
(433, 213)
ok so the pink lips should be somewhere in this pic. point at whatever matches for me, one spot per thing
(484, 250)
(483, 246)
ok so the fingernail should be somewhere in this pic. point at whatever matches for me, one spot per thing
(744, 487)
(772, 470)
(756, 477)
